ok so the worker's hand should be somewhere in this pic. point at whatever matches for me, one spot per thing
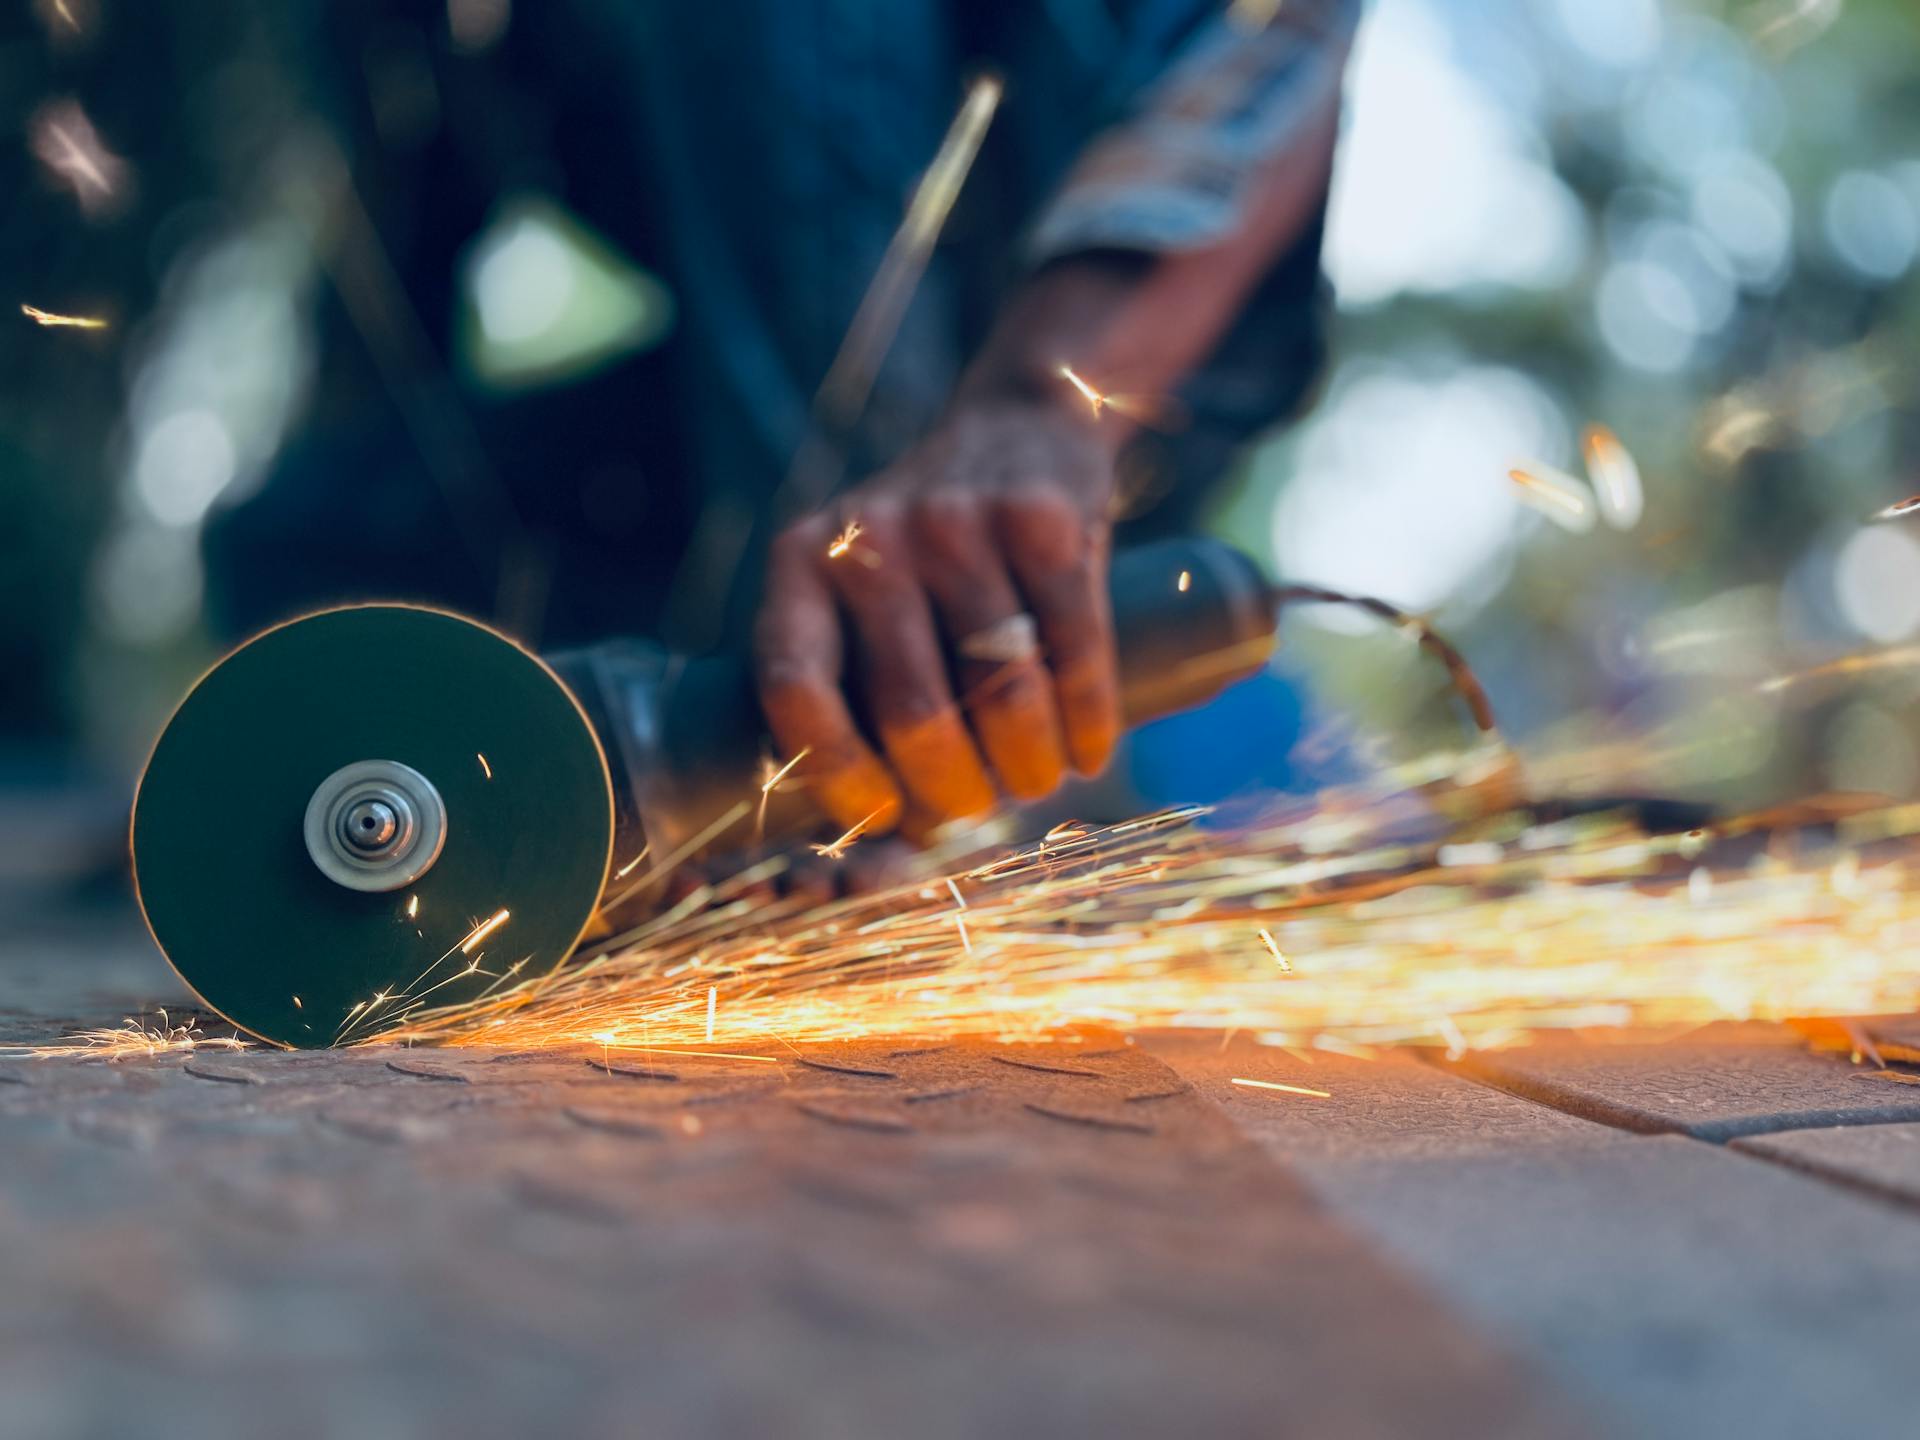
(914, 626)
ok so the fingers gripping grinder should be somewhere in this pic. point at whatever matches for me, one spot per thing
(388, 801)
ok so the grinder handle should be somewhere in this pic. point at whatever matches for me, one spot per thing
(692, 738)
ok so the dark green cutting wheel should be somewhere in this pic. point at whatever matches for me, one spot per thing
(339, 806)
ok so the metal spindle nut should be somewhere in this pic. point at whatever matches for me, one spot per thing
(375, 825)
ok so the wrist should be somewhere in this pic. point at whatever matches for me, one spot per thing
(1063, 318)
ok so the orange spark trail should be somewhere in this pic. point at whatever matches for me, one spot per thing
(1558, 923)
(49, 319)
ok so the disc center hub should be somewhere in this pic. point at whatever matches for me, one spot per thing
(375, 825)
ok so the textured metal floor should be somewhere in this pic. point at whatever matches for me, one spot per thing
(1722, 1237)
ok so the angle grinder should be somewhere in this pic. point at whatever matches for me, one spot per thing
(386, 806)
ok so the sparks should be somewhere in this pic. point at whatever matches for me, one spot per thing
(837, 849)
(1616, 478)
(1273, 949)
(51, 320)
(480, 932)
(1894, 657)
(413, 907)
(633, 864)
(771, 778)
(713, 999)
(1555, 494)
(65, 142)
(1898, 509)
(1185, 582)
(1276, 1085)
(296, 1003)
(1145, 924)
(1092, 396)
(485, 768)
(843, 542)
(133, 1039)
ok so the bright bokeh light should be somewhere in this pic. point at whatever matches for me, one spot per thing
(523, 277)
(148, 584)
(1399, 487)
(184, 462)
(1616, 33)
(1648, 316)
(1871, 224)
(1742, 203)
(1439, 186)
(549, 299)
(1876, 580)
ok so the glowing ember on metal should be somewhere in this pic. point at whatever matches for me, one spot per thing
(1892, 658)
(1273, 948)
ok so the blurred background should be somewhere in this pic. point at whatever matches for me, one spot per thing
(1695, 222)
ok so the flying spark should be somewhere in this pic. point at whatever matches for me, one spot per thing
(1273, 949)
(837, 849)
(849, 379)
(1093, 397)
(770, 778)
(480, 932)
(65, 142)
(67, 21)
(1185, 582)
(1898, 509)
(1276, 1085)
(1555, 494)
(1616, 478)
(843, 542)
(51, 320)
(485, 768)
(1894, 657)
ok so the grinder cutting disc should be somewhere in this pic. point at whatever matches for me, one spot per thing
(343, 807)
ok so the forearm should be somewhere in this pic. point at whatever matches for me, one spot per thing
(1170, 222)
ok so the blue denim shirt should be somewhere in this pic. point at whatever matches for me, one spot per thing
(758, 154)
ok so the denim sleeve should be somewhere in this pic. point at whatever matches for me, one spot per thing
(1175, 172)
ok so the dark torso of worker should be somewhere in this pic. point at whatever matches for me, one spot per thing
(757, 157)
